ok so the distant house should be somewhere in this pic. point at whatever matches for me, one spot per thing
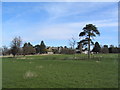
(49, 50)
(85, 52)
(50, 53)
(52, 50)
(77, 51)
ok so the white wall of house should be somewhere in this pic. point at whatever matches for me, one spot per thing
(85, 52)
(49, 52)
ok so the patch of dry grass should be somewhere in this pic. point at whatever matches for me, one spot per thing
(39, 67)
(29, 74)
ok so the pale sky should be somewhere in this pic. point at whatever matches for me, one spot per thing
(56, 22)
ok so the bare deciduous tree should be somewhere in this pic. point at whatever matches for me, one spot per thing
(15, 45)
(72, 44)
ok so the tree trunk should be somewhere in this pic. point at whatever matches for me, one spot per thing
(89, 47)
(24, 55)
(14, 55)
(74, 55)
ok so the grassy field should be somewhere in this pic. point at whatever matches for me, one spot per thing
(60, 71)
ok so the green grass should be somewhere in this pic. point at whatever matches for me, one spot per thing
(60, 71)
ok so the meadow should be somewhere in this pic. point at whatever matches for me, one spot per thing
(60, 71)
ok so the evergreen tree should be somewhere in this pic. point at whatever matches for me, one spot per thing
(79, 47)
(89, 32)
(25, 49)
(37, 48)
(96, 48)
(113, 49)
(105, 49)
(28, 49)
(42, 48)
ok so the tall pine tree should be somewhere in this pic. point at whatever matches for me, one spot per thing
(42, 48)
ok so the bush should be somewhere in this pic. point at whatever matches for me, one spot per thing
(67, 51)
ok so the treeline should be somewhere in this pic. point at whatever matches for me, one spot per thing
(105, 49)
(83, 46)
(16, 48)
(97, 48)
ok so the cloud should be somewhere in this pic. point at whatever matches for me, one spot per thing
(59, 10)
(52, 29)
(56, 33)
(63, 31)
(56, 11)
(99, 23)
